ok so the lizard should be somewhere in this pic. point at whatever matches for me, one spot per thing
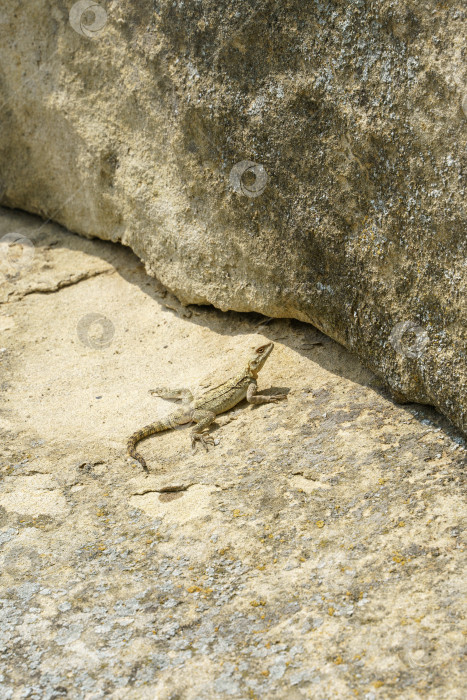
(204, 409)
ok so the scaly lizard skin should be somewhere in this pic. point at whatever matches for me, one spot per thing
(204, 409)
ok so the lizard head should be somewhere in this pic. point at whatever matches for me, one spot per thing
(259, 357)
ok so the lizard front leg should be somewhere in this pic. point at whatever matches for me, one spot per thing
(203, 420)
(253, 397)
(183, 395)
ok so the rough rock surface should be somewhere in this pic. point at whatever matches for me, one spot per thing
(135, 122)
(315, 552)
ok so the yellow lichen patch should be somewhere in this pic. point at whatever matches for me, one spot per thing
(398, 558)
(238, 514)
(320, 523)
(199, 589)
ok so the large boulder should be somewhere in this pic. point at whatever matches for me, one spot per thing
(297, 159)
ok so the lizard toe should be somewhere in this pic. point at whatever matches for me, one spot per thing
(205, 440)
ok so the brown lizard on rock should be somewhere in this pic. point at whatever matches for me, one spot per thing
(204, 409)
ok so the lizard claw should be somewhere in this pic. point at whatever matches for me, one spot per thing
(205, 440)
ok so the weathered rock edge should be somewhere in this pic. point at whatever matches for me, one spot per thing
(126, 124)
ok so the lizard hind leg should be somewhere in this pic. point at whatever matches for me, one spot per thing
(203, 420)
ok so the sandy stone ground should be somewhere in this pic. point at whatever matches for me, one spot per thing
(314, 552)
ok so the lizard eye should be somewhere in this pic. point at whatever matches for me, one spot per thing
(260, 350)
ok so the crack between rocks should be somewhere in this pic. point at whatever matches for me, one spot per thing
(61, 284)
(176, 489)
(165, 489)
(308, 478)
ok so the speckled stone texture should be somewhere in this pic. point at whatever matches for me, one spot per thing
(300, 159)
(317, 551)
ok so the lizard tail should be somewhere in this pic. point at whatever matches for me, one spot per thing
(145, 432)
(130, 448)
